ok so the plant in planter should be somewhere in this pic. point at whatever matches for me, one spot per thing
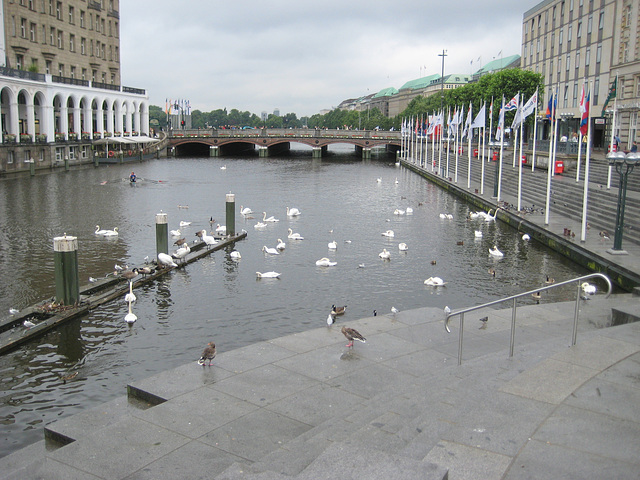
(97, 135)
(60, 137)
(86, 136)
(25, 138)
(41, 138)
(73, 136)
(9, 137)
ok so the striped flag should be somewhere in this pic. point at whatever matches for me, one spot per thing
(513, 103)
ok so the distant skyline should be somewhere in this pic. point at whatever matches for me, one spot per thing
(299, 57)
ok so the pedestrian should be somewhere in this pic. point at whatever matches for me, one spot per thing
(634, 147)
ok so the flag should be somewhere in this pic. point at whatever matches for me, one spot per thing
(584, 123)
(467, 123)
(612, 94)
(500, 123)
(491, 109)
(553, 103)
(530, 106)
(513, 103)
(479, 121)
(449, 125)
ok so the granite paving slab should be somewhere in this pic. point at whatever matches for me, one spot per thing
(468, 463)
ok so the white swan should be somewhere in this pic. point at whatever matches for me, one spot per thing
(235, 255)
(495, 252)
(166, 260)
(111, 233)
(443, 216)
(379, 180)
(260, 225)
(184, 224)
(488, 217)
(98, 231)
(175, 233)
(434, 282)
(270, 251)
(478, 234)
(396, 180)
(130, 317)
(294, 236)
(245, 210)
(281, 245)
(268, 219)
(293, 212)
(588, 288)
(398, 212)
(208, 239)
(268, 275)
(403, 247)
(384, 254)
(325, 262)
(409, 210)
(181, 252)
(224, 167)
(389, 233)
(332, 245)
(526, 237)
(221, 229)
(476, 215)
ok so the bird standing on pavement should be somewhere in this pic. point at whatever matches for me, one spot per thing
(209, 354)
(484, 321)
(352, 334)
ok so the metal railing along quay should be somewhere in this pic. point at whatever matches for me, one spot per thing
(513, 299)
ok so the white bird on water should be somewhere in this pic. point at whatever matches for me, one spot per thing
(268, 275)
(260, 225)
(325, 262)
(245, 210)
(175, 233)
(526, 237)
(235, 255)
(281, 245)
(184, 224)
(403, 247)
(478, 234)
(495, 252)
(130, 317)
(99, 231)
(434, 282)
(293, 212)
(270, 250)
(384, 254)
(389, 233)
(111, 233)
(294, 236)
(268, 219)
(332, 245)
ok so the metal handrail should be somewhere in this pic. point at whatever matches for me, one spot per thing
(514, 298)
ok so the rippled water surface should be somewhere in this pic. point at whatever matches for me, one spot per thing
(220, 299)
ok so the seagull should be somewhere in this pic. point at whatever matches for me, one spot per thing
(92, 280)
(588, 288)
(395, 311)
(118, 268)
(484, 321)
(28, 324)
(331, 319)
(352, 334)
(209, 353)
(14, 311)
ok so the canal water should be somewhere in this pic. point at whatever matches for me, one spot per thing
(342, 198)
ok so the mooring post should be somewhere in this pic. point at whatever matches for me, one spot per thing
(231, 214)
(162, 233)
(66, 269)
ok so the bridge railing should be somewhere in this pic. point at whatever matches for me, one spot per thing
(286, 132)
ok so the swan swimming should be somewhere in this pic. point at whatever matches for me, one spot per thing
(235, 255)
(403, 247)
(260, 225)
(325, 262)
(409, 210)
(332, 245)
(281, 245)
(175, 233)
(98, 231)
(434, 282)
(379, 180)
(495, 252)
(268, 275)
(388, 233)
(293, 212)
(488, 217)
(398, 212)
(384, 254)
(270, 251)
(111, 233)
(184, 224)
(478, 234)
(245, 210)
(268, 219)
(294, 236)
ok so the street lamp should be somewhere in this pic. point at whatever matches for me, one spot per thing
(624, 164)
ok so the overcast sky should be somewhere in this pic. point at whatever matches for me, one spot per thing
(304, 56)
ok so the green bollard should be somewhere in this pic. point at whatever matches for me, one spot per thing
(162, 233)
(66, 269)
(231, 214)
(66, 164)
(32, 167)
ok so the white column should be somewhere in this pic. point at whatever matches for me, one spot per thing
(31, 119)
(64, 120)
(77, 128)
(110, 124)
(47, 122)
(14, 117)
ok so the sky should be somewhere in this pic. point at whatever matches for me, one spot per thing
(304, 57)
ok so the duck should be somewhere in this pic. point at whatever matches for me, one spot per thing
(526, 237)
(221, 229)
(294, 236)
(492, 272)
(207, 239)
(495, 252)
(270, 250)
(182, 252)
(181, 241)
(245, 210)
(260, 225)
(550, 280)
(352, 334)
(434, 282)
(166, 260)
(175, 233)
(384, 254)
(293, 212)
(235, 255)
(268, 275)
(588, 288)
(332, 245)
(99, 231)
(325, 262)
(183, 206)
(338, 310)
(478, 234)
(268, 219)
(145, 271)
(403, 247)
(433, 262)
(209, 354)
(281, 245)
(389, 233)
(111, 233)
(536, 296)
(184, 224)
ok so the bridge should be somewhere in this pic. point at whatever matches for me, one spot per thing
(272, 141)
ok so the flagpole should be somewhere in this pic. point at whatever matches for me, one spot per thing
(501, 151)
(583, 233)
(554, 127)
(441, 124)
(448, 137)
(582, 100)
(458, 142)
(433, 147)
(483, 130)
(613, 129)
(469, 134)
(520, 155)
(535, 135)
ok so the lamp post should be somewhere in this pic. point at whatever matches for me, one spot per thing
(624, 164)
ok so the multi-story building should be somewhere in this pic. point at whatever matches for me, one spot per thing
(587, 42)
(60, 81)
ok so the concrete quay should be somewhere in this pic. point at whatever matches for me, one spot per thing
(305, 406)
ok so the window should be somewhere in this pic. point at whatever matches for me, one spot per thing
(52, 36)
(72, 15)
(32, 32)
(84, 74)
(72, 43)
(82, 19)
(575, 95)
(23, 27)
(554, 13)
(83, 42)
(620, 91)
(117, 59)
(538, 46)
(44, 34)
(19, 62)
(579, 34)
(59, 10)
(91, 21)
(637, 86)
(91, 48)
(560, 37)
(47, 67)
(559, 67)
(587, 57)
(60, 38)
(97, 23)
(61, 69)
(51, 12)
(569, 33)
(568, 61)
(589, 24)
(577, 60)
(73, 72)
(598, 53)
(601, 21)
(565, 99)
(571, 5)
(596, 90)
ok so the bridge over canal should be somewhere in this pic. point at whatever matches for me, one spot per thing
(271, 141)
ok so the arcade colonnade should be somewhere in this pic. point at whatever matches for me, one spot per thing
(35, 111)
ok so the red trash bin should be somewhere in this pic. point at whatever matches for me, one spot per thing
(495, 156)
(460, 150)
(524, 160)
(475, 152)
(559, 167)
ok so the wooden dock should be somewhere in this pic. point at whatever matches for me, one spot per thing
(48, 315)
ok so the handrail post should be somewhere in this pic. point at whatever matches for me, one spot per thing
(460, 339)
(513, 327)
(575, 317)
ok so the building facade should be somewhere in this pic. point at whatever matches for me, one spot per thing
(60, 81)
(587, 42)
